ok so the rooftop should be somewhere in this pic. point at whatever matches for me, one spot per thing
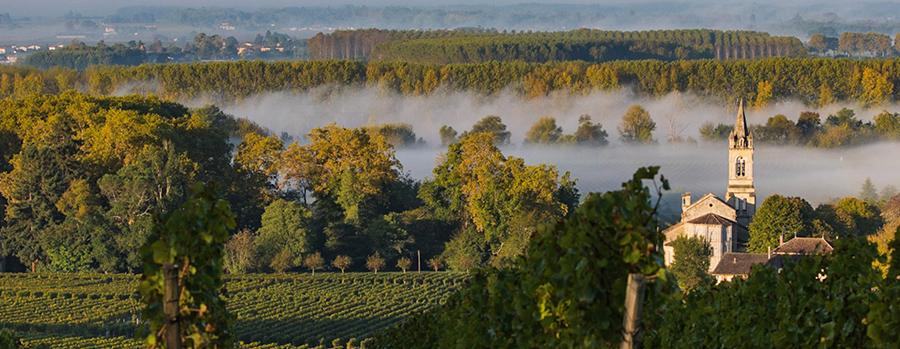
(804, 246)
(733, 263)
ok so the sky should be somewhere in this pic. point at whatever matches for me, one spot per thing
(106, 7)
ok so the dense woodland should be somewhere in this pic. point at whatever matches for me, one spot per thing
(816, 82)
(104, 165)
(476, 46)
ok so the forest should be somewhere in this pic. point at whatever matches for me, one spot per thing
(812, 81)
(591, 45)
(104, 165)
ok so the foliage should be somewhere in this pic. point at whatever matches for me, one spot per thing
(351, 167)
(829, 301)
(241, 253)
(813, 81)
(779, 218)
(467, 45)
(375, 262)
(567, 291)
(544, 131)
(637, 126)
(491, 124)
(403, 263)
(342, 262)
(285, 228)
(282, 261)
(448, 135)
(435, 263)
(482, 190)
(191, 240)
(711, 133)
(81, 56)
(398, 135)
(691, 262)
(314, 261)
(589, 133)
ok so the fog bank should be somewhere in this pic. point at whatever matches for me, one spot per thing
(817, 175)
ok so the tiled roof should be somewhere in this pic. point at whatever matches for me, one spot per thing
(711, 218)
(804, 246)
(733, 263)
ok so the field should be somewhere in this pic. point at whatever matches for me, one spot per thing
(273, 311)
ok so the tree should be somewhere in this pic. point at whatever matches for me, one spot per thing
(448, 135)
(476, 184)
(544, 131)
(285, 229)
(868, 193)
(887, 125)
(637, 126)
(691, 261)
(185, 254)
(404, 263)
(375, 262)
(494, 125)
(589, 133)
(817, 43)
(314, 261)
(241, 253)
(397, 135)
(866, 216)
(778, 217)
(713, 133)
(282, 261)
(342, 262)
(435, 263)
(351, 167)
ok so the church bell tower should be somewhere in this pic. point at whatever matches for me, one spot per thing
(741, 194)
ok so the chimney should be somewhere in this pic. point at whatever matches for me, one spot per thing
(685, 201)
(769, 254)
(781, 240)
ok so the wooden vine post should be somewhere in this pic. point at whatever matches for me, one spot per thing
(634, 306)
(170, 307)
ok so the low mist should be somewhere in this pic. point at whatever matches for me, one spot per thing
(818, 175)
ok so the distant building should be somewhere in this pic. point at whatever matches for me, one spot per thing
(738, 264)
(722, 223)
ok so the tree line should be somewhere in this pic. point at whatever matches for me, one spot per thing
(815, 82)
(840, 129)
(81, 178)
(593, 45)
(79, 56)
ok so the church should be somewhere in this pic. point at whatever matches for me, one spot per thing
(723, 223)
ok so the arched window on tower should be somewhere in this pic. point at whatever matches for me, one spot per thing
(740, 167)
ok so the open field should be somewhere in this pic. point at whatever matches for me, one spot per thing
(273, 310)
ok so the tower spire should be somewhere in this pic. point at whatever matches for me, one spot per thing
(740, 125)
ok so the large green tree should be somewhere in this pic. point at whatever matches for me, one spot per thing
(494, 125)
(778, 217)
(479, 188)
(286, 226)
(636, 126)
(544, 131)
(352, 167)
(691, 261)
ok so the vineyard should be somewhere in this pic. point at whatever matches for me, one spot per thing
(273, 311)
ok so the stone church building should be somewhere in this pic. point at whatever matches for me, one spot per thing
(723, 223)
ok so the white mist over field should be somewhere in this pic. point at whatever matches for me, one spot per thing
(817, 175)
